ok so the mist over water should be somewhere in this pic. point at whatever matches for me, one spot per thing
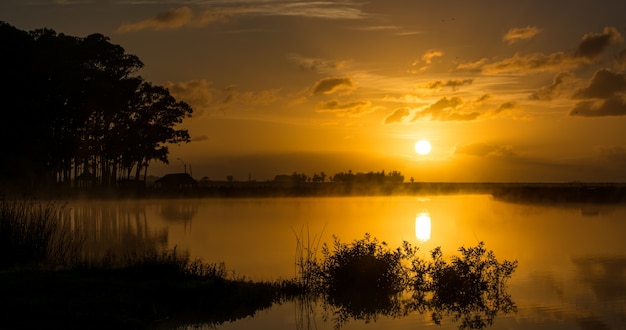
(572, 258)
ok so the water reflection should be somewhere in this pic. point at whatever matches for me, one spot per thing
(569, 255)
(422, 227)
(606, 276)
(115, 230)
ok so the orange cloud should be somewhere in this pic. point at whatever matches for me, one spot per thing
(454, 84)
(481, 149)
(561, 82)
(446, 110)
(588, 51)
(397, 116)
(516, 34)
(353, 109)
(171, 19)
(316, 64)
(427, 58)
(332, 84)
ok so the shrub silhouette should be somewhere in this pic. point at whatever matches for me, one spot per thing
(365, 278)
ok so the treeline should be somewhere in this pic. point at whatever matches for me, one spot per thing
(370, 178)
(75, 110)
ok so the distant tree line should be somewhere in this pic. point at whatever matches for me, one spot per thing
(370, 178)
(76, 107)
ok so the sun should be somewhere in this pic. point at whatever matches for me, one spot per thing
(422, 147)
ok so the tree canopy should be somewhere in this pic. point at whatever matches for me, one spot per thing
(76, 108)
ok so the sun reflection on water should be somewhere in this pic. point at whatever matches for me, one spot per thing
(422, 226)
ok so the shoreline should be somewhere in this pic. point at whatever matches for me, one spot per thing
(539, 192)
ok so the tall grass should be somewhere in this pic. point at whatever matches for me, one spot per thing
(308, 269)
(37, 234)
(42, 235)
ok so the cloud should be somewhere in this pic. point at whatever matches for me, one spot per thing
(316, 64)
(605, 96)
(481, 149)
(588, 51)
(397, 116)
(199, 94)
(353, 109)
(313, 9)
(185, 17)
(483, 98)
(620, 60)
(171, 19)
(475, 66)
(593, 44)
(445, 110)
(516, 34)
(604, 84)
(613, 106)
(450, 83)
(202, 96)
(427, 59)
(561, 82)
(505, 106)
(331, 85)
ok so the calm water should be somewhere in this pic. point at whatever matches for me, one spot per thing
(572, 259)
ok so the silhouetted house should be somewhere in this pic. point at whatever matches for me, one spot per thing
(284, 181)
(176, 181)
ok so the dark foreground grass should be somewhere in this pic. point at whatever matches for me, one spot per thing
(48, 281)
(116, 299)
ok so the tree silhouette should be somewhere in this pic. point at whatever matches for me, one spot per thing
(76, 106)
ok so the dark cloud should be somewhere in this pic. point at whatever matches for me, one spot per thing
(483, 98)
(353, 109)
(481, 149)
(593, 44)
(171, 19)
(620, 60)
(450, 83)
(587, 51)
(397, 116)
(559, 83)
(446, 110)
(613, 106)
(604, 84)
(315, 64)
(332, 84)
(185, 17)
(605, 96)
(505, 106)
(202, 96)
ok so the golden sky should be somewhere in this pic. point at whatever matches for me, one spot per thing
(529, 90)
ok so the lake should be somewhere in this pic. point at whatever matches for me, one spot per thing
(572, 258)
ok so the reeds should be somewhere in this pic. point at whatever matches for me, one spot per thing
(307, 267)
(42, 235)
(36, 234)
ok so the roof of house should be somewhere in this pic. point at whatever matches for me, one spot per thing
(176, 178)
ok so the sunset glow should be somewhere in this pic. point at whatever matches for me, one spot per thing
(503, 93)
(422, 227)
(422, 147)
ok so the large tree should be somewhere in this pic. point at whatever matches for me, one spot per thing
(76, 106)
